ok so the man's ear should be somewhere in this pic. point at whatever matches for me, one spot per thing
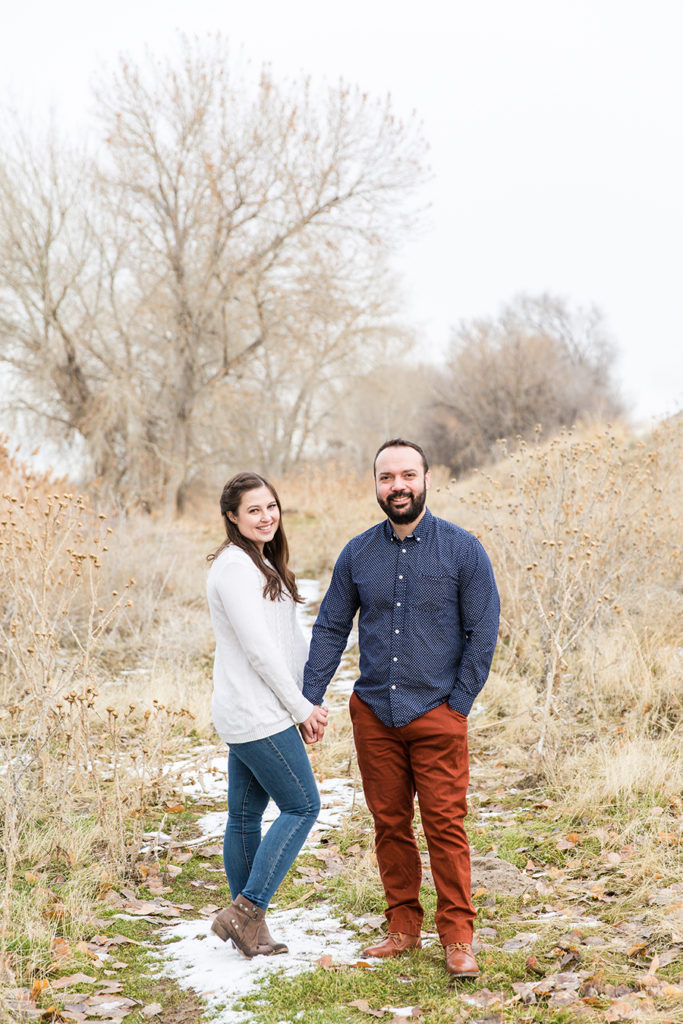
(428, 480)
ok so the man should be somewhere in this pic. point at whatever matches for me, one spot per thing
(427, 628)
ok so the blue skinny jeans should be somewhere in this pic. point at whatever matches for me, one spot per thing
(276, 767)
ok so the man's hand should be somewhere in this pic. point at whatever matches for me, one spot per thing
(313, 729)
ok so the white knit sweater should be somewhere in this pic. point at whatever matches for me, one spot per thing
(260, 653)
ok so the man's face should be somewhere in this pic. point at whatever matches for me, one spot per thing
(401, 484)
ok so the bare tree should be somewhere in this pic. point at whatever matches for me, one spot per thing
(539, 362)
(221, 205)
(49, 286)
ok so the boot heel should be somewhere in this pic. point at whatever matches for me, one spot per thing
(220, 931)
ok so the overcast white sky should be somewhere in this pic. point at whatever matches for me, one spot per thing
(555, 126)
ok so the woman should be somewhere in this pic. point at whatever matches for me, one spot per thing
(257, 699)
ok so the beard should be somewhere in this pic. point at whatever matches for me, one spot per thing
(416, 502)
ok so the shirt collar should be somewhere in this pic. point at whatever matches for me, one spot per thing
(422, 530)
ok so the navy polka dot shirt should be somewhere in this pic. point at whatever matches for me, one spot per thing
(428, 620)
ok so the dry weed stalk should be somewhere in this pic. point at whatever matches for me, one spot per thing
(70, 759)
(576, 530)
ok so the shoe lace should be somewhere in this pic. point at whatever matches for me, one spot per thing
(463, 946)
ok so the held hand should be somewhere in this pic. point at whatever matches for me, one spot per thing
(313, 729)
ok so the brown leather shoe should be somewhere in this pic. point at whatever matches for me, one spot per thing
(394, 944)
(460, 962)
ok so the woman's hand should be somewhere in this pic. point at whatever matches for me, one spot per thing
(313, 729)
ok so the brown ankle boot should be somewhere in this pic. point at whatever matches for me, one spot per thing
(244, 923)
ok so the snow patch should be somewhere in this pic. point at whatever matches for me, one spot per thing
(199, 960)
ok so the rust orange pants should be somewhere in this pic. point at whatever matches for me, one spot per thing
(429, 757)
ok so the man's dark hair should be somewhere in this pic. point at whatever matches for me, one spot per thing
(398, 442)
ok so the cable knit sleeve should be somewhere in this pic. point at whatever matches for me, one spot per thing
(240, 588)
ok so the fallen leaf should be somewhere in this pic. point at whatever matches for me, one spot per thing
(182, 856)
(483, 998)
(481, 891)
(209, 910)
(151, 1010)
(519, 941)
(364, 1006)
(56, 911)
(638, 947)
(39, 985)
(109, 987)
(542, 888)
(73, 979)
(650, 979)
(31, 877)
(620, 1010)
(82, 947)
(326, 961)
(175, 808)
(214, 850)
(567, 980)
(60, 948)
(117, 940)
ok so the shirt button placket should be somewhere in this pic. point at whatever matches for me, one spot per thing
(395, 667)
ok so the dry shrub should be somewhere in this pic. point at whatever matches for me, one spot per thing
(617, 771)
(581, 531)
(505, 717)
(167, 621)
(324, 506)
(79, 768)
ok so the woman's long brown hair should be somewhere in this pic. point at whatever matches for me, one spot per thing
(277, 574)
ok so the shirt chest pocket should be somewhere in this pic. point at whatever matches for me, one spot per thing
(433, 593)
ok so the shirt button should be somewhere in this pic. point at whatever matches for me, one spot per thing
(393, 687)
(398, 604)
(397, 631)
(400, 577)
(395, 659)
(403, 551)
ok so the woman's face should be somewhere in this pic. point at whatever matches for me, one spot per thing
(258, 516)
